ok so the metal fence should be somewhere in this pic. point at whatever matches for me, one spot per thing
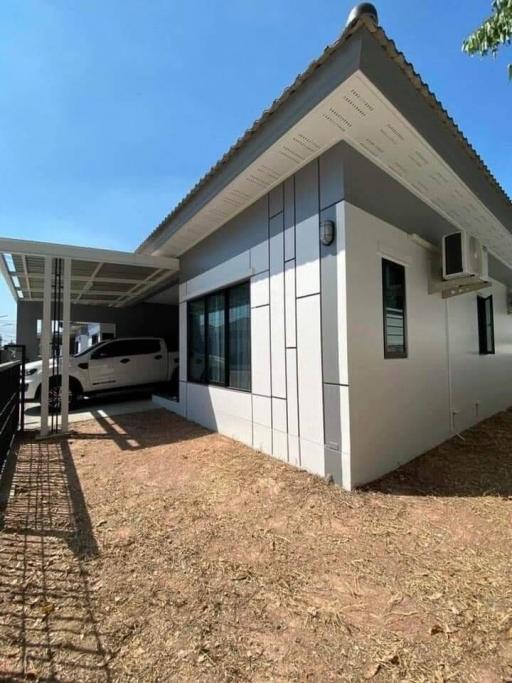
(11, 404)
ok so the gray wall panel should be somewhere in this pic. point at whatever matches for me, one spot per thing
(329, 301)
(277, 307)
(276, 200)
(331, 176)
(245, 231)
(289, 218)
(332, 417)
(333, 465)
(306, 192)
(307, 249)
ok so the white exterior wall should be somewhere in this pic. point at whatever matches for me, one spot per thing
(283, 414)
(400, 408)
(388, 410)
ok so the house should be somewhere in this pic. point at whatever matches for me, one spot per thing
(345, 357)
(320, 320)
(88, 334)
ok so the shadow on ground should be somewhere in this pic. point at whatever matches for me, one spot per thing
(48, 627)
(33, 409)
(138, 431)
(477, 462)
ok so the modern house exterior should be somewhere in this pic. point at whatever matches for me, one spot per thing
(351, 357)
(306, 273)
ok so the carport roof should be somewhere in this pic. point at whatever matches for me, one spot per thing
(98, 276)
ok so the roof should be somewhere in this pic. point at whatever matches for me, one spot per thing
(362, 23)
(98, 276)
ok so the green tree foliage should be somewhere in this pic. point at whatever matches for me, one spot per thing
(495, 32)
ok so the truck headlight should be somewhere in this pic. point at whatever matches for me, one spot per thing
(31, 371)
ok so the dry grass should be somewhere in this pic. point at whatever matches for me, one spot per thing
(147, 549)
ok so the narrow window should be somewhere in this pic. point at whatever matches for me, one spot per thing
(239, 341)
(485, 324)
(196, 341)
(216, 339)
(393, 297)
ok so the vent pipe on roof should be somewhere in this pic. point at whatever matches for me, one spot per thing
(366, 9)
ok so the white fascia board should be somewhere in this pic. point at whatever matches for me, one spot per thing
(29, 248)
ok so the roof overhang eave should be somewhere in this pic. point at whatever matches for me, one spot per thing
(167, 237)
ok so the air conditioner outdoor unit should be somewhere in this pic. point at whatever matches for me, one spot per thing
(464, 256)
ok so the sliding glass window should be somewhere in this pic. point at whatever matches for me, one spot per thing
(197, 341)
(219, 338)
(239, 341)
(216, 340)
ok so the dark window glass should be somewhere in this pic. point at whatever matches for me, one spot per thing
(219, 338)
(145, 346)
(112, 350)
(127, 347)
(216, 340)
(485, 324)
(107, 335)
(239, 344)
(197, 341)
(393, 295)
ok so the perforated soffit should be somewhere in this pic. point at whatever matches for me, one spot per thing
(358, 113)
(93, 281)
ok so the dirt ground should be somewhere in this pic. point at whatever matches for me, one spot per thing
(145, 548)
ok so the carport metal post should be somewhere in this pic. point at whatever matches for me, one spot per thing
(66, 312)
(45, 343)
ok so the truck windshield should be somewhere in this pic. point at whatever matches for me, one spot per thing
(91, 348)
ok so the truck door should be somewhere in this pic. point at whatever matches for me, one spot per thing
(110, 366)
(150, 360)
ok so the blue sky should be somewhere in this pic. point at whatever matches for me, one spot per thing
(110, 110)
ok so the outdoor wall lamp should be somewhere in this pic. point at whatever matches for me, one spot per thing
(327, 232)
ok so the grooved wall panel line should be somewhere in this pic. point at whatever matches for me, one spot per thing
(277, 307)
(309, 356)
(289, 219)
(289, 280)
(260, 343)
(306, 231)
(270, 324)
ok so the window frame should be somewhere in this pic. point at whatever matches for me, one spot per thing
(483, 323)
(189, 338)
(226, 292)
(394, 354)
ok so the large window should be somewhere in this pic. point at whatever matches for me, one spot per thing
(393, 299)
(216, 338)
(485, 324)
(219, 338)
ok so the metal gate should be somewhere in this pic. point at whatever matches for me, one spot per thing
(12, 403)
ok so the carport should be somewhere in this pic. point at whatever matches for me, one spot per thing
(61, 275)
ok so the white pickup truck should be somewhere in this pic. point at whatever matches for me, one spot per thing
(112, 365)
